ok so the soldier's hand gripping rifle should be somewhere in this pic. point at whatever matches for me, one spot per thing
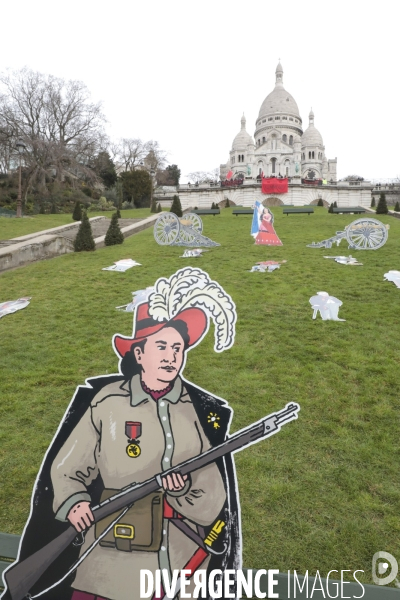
(23, 575)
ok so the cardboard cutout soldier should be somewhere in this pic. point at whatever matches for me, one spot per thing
(128, 427)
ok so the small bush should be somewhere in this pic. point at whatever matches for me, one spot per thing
(176, 207)
(227, 203)
(330, 209)
(159, 209)
(397, 207)
(382, 208)
(77, 214)
(153, 208)
(320, 202)
(84, 240)
(114, 234)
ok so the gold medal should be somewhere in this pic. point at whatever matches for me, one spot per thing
(133, 450)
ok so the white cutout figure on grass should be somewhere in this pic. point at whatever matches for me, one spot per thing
(328, 306)
(7, 308)
(393, 276)
(122, 265)
(345, 260)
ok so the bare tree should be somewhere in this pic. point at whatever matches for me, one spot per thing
(131, 153)
(203, 176)
(59, 126)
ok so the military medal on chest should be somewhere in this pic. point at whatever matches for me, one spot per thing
(133, 431)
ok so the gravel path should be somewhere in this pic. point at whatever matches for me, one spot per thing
(99, 227)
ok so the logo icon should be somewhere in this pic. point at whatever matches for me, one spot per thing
(383, 563)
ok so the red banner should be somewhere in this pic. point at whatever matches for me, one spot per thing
(274, 185)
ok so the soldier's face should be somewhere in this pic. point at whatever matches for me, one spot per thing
(163, 355)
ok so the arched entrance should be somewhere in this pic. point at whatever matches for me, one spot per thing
(315, 202)
(272, 202)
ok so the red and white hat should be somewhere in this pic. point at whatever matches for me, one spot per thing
(189, 295)
(144, 325)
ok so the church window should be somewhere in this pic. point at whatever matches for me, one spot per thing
(273, 164)
(263, 140)
(270, 119)
(287, 171)
(296, 120)
(277, 118)
(291, 140)
(284, 138)
(309, 155)
(242, 157)
(284, 118)
(313, 154)
(264, 120)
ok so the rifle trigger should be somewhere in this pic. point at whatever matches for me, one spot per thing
(79, 539)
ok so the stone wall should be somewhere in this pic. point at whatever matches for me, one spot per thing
(203, 196)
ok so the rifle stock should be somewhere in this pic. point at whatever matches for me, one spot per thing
(21, 576)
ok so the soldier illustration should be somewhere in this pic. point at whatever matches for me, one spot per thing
(129, 427)
(328, 306)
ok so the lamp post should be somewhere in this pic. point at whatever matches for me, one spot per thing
(152, 175)
(21, 148)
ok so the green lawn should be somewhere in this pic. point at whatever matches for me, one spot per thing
(10, 228)
(322, 494)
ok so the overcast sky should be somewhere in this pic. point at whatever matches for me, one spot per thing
(183, 72)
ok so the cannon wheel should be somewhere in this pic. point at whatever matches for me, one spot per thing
(366, 234)
(166, 229)
(197, 223)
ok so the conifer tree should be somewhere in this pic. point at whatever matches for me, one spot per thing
(114, 234)
(77, 214)
(159, 209)
(330, 209)
(153, 207)
(84, 239)
(176, 207)
(382, 208)
(227, 203)
(118, 213)
(320, 203)
(373, 202)
(397, 207)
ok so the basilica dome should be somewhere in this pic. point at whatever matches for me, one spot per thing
(311, 136)
(243, 139)
(279, 101)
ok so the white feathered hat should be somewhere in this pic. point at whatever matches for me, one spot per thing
(190, 296)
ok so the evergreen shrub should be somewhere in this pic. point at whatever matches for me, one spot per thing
(84, 239)
(77, 214)
(373, 202)
(320, 202)
(176, 207)
(382, 208)
(397, 207)
(159, 209)
(114, 234)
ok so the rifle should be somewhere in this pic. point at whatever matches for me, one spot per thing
(23, 575)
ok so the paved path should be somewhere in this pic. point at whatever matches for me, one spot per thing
(100, 227)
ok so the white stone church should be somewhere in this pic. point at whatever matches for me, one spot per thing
(279, 148)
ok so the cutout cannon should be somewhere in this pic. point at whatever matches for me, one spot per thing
(362, 234)
(169, 230)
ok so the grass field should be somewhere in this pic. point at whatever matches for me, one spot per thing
(323, 493)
